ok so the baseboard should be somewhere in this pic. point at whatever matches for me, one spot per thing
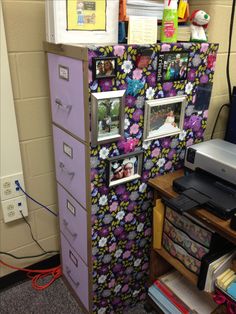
(16, 277)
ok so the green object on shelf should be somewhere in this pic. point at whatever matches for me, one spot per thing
(169, 22)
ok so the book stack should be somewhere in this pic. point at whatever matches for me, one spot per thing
(174, 294)
(213, 265)
(152, 8)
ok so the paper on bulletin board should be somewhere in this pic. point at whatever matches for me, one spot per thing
(142, 30)
(86, 15)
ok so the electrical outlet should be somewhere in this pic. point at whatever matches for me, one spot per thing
(11, 208)
(8, 186)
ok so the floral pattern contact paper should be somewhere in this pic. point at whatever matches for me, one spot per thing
(121, 215)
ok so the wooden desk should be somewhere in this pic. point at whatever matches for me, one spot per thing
(163, 187)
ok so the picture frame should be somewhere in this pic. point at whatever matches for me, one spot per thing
(107, 116)
(84, 22)
(143, 57)
(164, 117)
(124, 168)
(104, 67)
(172, 66)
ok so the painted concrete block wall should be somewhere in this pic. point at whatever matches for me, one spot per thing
(218, 31)
(25, 31)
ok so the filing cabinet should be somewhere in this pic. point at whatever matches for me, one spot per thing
(106, 230)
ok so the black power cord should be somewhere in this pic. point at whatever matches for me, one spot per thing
(217, 117)
(31, 232)
(31, 256)
(227, 67)
(229, 49)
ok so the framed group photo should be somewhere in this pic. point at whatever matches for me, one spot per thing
(164, 117)
(172, 66)
(107, 120)
(104, 67)
(124, 168)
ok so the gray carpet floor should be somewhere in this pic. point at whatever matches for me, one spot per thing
(23, 299)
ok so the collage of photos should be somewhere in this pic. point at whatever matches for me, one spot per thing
(162, 117)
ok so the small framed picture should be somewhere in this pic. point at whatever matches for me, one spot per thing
(104, 67)
(164, 117)
(143, 58)
(172, 66)
(107, 120)
(125, 168)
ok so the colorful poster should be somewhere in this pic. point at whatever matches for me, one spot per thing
(86, 15)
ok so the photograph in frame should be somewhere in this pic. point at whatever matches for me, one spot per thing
(82, 21)
(86, 15)
(107, 117)
(124, 168)
(172, 66)
(104, 67)
(164, 117)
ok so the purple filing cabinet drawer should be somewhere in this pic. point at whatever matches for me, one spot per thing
(67, 93)
(70, 164)
(75, 271)
(73, 222)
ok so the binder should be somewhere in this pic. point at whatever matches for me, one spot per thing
(163, 302)
(158, 220)
(183, 308)
(207, 260)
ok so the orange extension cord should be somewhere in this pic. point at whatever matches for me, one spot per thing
(54, 272)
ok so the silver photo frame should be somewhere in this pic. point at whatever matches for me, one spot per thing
(124, 168)
(164, 117)
(107, 116)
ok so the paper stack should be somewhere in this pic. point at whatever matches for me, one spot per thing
(152, 8)
(175, 294)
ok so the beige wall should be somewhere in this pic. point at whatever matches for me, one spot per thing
(25, 31)
(218, 31)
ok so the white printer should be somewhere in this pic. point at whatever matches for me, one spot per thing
(216, 156)
(212, 184)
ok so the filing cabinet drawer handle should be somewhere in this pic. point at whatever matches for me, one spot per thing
(73, 234)
(63, 168)
(68, 271)
(60, 105)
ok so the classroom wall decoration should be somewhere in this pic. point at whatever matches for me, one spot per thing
(121, 214)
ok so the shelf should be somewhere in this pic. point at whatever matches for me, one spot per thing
(178, 265)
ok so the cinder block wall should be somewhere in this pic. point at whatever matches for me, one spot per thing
(25, 32)
(218, 30)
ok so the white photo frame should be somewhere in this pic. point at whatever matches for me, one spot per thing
(164, 117)
(57, 30)
(107, 117)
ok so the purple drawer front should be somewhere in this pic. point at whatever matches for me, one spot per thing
(70, 164)
(75, 271)
(73, 222)
(67, 94)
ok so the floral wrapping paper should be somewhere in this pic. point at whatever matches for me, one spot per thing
(193, 248)
(193, 230)
(121, 215)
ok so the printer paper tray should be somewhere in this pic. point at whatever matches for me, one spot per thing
(222, 196)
